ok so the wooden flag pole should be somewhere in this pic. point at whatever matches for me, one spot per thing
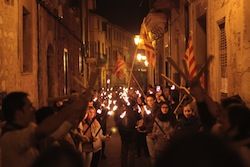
(178, 106)
(177, 68)
(133, 63)
(176, 85)
(77, 80)
(139, 85)
(203, 68)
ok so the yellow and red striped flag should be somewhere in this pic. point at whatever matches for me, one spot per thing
(190, 59)
(120, 67)
(191, 62)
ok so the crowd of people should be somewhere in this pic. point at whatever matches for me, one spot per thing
(169, 127)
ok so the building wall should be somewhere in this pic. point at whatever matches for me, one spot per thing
(122, 41)
(12, 77)
(236, 15)
(206, 42)
(55, 36)
(97, 40)
(177, 40)
(112, 39)
(245, 61)
(204, 19)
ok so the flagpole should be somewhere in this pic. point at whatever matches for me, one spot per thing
(130, 75)
(138, 85)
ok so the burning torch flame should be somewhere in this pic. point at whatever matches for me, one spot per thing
(123, 115)
(95, 99)
(139, 109)
(113, 130)
(147, 111)
(115, 108)
(111, 113)
(99, 111)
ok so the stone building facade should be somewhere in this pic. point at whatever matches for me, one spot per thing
(219, 28)
(46, 45)
(42, 48)
(18, 60)
(230, 72)
(61, 50)
(106, 41)
(122, 42)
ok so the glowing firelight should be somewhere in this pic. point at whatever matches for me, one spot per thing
(115, 108)
(138, 93)
(139, 109)
(113, 129)
(150, 92)
(172, 87)
(147, 110)
(111, 113)
(99, 111)
(123, 114)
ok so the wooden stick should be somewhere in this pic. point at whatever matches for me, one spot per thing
(133, 63)
(185, 67)
(161, 129)
(203, 68)
(77, 80)
(177, 68)
(98, 131)
(170, 81)
(176, 85)
(138, 85)
(178, 106)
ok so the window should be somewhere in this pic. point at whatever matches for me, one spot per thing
(92, 48)
(223, 51)
(104, 26)
(223, 58)
(110, 34)
(9, 2)
(95, 48)
(65, 71)
(103, 49)
(99, 48)
(98, 25)
(80, 61)
(27, 42)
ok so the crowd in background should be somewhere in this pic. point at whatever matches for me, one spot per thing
(170, 127)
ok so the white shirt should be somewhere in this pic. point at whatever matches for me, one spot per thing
(17, 147)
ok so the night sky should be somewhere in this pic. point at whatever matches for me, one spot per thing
(125, 13)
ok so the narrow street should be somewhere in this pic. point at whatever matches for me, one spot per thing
(173, 75)
(113, 148)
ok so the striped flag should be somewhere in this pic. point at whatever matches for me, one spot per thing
(120, 67)
(190, 59)
(191, 63)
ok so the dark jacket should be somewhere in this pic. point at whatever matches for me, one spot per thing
(148, 120)
(127, 124)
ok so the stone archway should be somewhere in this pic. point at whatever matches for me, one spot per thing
(51, 72)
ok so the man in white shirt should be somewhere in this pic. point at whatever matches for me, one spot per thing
(21, 135)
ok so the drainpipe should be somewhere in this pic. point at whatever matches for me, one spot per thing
(39, 75)
(170, 46)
